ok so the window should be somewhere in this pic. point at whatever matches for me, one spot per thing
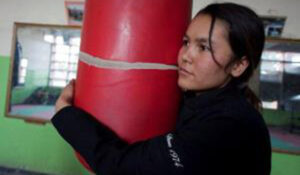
(44, 60)
(64, 59)
(22, 71)
(280, 74)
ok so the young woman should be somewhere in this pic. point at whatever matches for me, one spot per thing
(219, 129)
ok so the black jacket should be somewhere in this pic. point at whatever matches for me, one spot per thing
(217, 133)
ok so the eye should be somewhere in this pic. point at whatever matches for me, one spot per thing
(185, 42)
(204, 47)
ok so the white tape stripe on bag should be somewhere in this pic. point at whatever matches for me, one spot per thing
(102, 63)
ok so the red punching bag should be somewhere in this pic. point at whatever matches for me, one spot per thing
(127, 77)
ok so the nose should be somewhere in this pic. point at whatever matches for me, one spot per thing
(185, 55)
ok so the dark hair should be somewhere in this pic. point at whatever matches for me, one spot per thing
(246, 38)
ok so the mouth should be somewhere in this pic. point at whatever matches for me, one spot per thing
(184, 72)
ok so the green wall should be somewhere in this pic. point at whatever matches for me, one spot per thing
(31, 146)
(39, 148)
(279, 117)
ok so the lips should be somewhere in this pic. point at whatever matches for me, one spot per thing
(183, 71)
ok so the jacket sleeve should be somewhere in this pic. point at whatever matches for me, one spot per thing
(107, 154)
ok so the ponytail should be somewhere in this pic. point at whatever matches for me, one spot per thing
(252, 98)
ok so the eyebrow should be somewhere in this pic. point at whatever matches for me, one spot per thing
(204, 40)
(200, 40)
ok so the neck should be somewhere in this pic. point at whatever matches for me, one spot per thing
(226, 82)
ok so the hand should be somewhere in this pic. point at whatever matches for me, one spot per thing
(66, 97)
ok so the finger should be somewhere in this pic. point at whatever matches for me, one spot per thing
(72, 82)
(69, 85)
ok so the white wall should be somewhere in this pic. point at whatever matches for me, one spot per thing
(53, 12)
(199, 4)
(31, 11)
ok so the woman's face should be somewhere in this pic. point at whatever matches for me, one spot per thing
(198, 70)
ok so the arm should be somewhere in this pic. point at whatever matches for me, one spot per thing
(192, 150)
(105, 152)
(108, 154)
(197, 149)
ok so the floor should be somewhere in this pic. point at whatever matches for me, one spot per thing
(283, 140)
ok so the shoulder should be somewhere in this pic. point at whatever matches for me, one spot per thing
(237, 107)
(248, 122)
(232, 115)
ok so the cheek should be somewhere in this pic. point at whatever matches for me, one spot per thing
(205, 69)
(179, 57)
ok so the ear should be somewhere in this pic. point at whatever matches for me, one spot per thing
(239, 67)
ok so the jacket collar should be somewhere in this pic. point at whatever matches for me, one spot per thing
(208, 98)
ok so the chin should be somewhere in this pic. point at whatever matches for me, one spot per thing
(183, 85)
